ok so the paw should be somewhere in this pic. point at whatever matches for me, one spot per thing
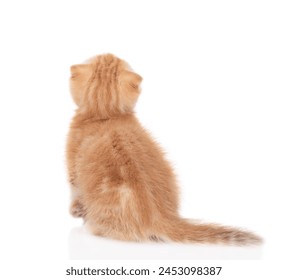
(77, 209)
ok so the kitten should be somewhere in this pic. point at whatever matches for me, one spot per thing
(121, 184)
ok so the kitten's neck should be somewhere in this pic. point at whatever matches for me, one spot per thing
(88, 118)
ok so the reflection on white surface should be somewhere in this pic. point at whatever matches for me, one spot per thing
(84, 246)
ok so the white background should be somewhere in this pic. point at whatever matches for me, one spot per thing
(214, 95)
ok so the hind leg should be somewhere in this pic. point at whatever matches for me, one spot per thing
(115, 213)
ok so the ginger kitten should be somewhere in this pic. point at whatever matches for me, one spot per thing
(121, 184)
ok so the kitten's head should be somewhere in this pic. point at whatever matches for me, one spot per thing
(105, 86)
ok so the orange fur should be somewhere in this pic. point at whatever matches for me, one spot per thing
(121, 183)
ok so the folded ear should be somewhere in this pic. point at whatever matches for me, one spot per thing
(129, 89)
(132, 80)
(79, 69)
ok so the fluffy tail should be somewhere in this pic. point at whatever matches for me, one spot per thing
(180, 230)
